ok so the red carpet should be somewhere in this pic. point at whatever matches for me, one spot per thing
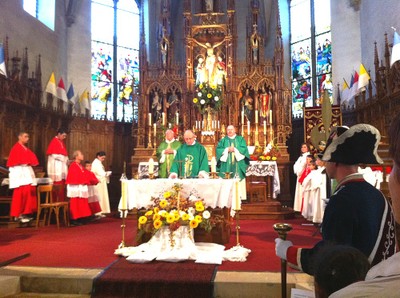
(93, 245)
(155, 279)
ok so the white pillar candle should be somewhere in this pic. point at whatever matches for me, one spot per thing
(124, 188)
(163, 119)
(213, 165)
(265, 127)
(151, 166)
(242, 117)
(256, 116)
(155, 128)
(248, 127)
(177, 118)
(149, 119)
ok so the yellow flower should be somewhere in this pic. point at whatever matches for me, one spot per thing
(176, 216)
(209, 95)
(198, 218)
(268, 157)
(157, 224)
(213, 86)
(167, 194)
(200, 208)
(201, 86)
(185, 217)
(195, 100)
(148, 213)
(170, 218)
(163, 203)
(156, 210)
(142, 220)
(156, 216)
(193, 224)
(273, 157)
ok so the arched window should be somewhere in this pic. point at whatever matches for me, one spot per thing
(311, 54)
(115, 60)
(43, 10)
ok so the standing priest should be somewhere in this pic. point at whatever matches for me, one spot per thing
(232, 155)
(191, 159)
(166, 152)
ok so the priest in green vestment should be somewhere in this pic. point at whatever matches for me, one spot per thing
(166, 152)
(232, 154)
(191, 159)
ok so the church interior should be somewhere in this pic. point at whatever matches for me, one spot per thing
(280, 74)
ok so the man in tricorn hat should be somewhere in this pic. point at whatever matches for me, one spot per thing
(357, 213)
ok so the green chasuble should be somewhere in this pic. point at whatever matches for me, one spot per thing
(229, 163)
(197, 160)
(165, 160)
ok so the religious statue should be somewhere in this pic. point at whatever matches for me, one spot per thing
(220, 71)
(247, 103)
(210, 62)
(200, 71)
(172, 105)
(156, 107)
(209, 4)
(264, 100)
(255, 40)
(164, 44)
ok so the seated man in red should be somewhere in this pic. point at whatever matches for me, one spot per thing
(22, 179)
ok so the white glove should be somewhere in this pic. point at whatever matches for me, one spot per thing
(281, 247)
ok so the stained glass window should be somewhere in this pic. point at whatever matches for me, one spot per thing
(311, 53)
(114, 97)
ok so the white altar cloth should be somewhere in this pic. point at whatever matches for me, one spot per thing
(46, 180)
(215, 192)
(266, 168)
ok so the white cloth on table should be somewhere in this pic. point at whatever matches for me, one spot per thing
(263, 169)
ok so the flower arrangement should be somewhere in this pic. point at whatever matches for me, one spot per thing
(270, 153)
(172, 211)
(208, 96)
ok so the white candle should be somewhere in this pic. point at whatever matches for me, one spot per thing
(213, 165)
(270, 116)
(256, 116)
(149, 119)
(177, 118)
(155, 128)
(124, 185)
(238, 203)
(163, 118)
(248, 127)
(151, 166)
(242, 117)
(265, 127)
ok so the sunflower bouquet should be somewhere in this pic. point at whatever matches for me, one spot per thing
(207, 95)
(172, 211)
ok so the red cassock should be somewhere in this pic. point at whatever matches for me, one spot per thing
(24, 200)
(78, 180)
(57, 169)
(93, 194)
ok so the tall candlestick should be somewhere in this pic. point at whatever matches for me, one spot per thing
(270, 116)
(149, 119)
(237, 195)
(265, 127)
(213, 165)
(248, 127)
(151, 166)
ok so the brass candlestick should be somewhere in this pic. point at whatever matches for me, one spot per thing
(227, 175)
(283, 229)
(214, 175)
(151, 176)
(149, 145)
(256, 142)
(122, 244)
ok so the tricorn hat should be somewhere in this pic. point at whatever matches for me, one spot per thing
(355, 145)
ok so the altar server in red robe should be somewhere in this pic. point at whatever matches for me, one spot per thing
(93, 198)
(77, 190)
(22, 179)
(57, 160)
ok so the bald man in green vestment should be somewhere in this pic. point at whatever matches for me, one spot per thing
(232, 154)
(166, 152)
(191, 159)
